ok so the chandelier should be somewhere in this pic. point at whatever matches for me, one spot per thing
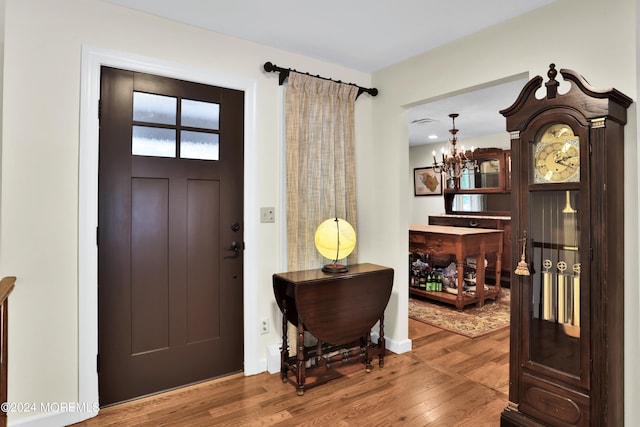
(454, 163)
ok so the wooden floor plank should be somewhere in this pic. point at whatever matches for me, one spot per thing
(446, 380)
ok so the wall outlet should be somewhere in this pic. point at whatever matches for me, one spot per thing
(264, 326)
(267, 214)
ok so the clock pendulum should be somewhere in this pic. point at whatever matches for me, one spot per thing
(562, 292)
(547, 291)
(573, 328)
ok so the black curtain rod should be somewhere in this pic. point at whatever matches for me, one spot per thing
(284, 73)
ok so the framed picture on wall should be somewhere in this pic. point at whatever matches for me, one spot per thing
(427, 182)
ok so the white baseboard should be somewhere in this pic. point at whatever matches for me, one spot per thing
(273, 358)
(52, 419)
(398, 347)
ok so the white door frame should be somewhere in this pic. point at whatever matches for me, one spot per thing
(92, 60)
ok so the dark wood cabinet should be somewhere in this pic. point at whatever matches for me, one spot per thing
(481, 190)
(567, 317)
(488, 176)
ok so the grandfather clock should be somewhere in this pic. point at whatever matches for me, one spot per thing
(567, 290)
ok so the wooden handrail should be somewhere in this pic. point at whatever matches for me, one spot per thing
(6, 286)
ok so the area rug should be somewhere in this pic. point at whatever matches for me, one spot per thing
(471, 322)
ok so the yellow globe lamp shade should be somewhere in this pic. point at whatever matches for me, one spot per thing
(335, 239)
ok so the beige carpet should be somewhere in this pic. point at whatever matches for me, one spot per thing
(472, 322)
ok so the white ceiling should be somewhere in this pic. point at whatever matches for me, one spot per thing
(478, 110)
(365, 35)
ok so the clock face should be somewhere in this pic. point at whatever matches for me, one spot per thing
(557, 155)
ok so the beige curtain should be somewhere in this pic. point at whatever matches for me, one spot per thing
(320, 163)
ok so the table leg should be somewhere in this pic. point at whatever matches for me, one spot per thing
(284, 351)
(499, 266)
(319, 359)
(381, 342)
(300, 368)
(365, 342)
(460, 298)
(480, 274)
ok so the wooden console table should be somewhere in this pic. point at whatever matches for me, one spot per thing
(461, 242)
(338, 309)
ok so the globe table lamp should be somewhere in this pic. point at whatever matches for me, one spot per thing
(335, 239)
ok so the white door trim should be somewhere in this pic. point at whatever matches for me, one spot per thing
(92, 60)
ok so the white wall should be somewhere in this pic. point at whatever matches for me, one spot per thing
(39, 204)
(596, 41)
(40, 163)
(421, 207)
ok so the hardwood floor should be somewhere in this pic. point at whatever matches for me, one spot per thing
(446, 380)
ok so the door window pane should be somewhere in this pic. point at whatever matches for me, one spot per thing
(198, 114)
(162, 141)
(199, 145)
(151, 108)
(150, 141)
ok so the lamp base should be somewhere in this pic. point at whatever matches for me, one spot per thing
(335, 268)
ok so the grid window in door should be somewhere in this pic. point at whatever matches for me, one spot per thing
(166, 126)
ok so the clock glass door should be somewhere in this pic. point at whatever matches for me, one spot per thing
(555, 281)
(555, 240)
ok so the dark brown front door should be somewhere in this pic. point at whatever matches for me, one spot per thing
(170, 233)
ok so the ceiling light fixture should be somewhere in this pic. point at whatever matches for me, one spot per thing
(454, 163)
